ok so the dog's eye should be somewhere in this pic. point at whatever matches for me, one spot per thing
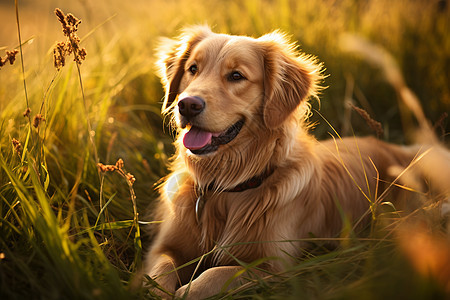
(193, 69)
(235, 76)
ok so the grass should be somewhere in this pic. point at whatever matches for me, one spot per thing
(70, 231)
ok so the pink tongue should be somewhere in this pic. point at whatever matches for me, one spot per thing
(196, 138)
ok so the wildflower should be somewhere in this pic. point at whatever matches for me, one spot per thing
(62, 49)
(10, 56)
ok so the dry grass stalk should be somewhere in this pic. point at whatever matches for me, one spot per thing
(62, 49)
(440, 123)
(72, 45)
(119, 168)
(378, 56)
(10, 57)
(374, 125)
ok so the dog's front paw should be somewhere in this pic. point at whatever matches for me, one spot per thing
(161, 294)
(181, 292)
(160, 288)
(195, 291)
(190, 292)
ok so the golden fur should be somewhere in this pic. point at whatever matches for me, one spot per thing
(310, 179)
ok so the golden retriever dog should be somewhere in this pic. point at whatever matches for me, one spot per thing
(247, 175)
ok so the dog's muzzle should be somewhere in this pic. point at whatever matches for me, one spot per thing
(201, 142)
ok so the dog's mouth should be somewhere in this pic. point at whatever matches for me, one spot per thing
(199, 141)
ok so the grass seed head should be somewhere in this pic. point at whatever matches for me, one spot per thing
(17, 146)
(10, 57)
(61, 17)
(106, 168)
(119, 167)
(130, 178)
(38, 119)
(60, 51)
(27, 112)
(69, 25)
(440, 123)
(120, 164)
(374, 125)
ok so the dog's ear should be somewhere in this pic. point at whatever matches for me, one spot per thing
(289, 78)
(172, 55)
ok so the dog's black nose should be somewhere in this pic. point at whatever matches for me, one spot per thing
(190, 107)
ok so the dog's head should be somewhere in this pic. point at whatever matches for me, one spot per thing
(231, 93)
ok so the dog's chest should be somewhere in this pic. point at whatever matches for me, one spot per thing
(212, 214)
(229, 228)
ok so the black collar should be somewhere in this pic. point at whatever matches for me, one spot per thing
(251, 183)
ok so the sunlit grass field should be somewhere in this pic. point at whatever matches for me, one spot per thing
(70, 231)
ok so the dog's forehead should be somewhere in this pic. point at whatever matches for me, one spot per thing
(218, 47)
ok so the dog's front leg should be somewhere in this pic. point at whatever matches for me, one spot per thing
(165, 274)
(214, 281)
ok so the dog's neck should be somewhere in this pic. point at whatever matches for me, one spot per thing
(251, 183)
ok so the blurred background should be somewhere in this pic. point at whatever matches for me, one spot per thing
(123, 98)
(122, 37)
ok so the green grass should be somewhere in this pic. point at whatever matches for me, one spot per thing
(68, 231)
